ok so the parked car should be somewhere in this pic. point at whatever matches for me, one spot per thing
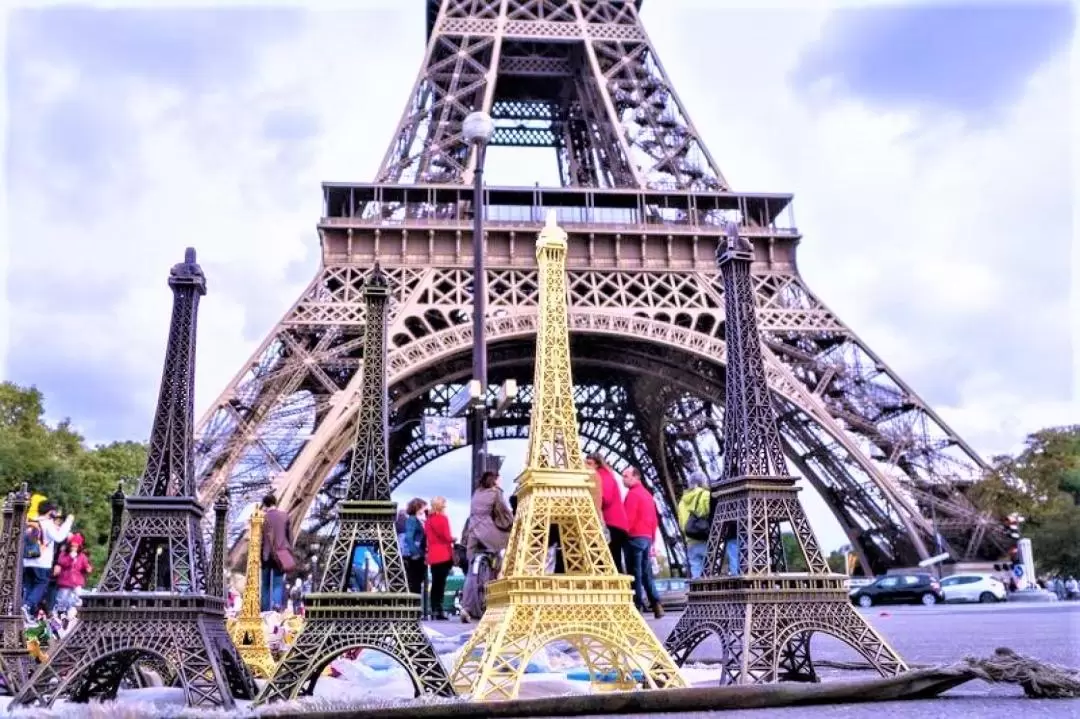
(973, 588)
(899, 589)
(673, 593)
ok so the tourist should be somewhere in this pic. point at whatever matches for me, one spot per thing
(490, 520)
(642, 522)
(43, 534)
(74, 568)
(278, 555)
(414, 546)
(611, 508)
(693, 512)
(440, 553)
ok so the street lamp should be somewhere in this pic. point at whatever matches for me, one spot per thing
(477, 129)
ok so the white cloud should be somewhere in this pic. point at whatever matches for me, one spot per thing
(907, 225)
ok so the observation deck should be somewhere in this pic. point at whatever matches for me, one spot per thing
(431, 225)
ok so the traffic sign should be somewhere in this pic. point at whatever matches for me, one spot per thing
(1018, 570)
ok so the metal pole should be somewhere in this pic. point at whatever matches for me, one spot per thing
(479, 418)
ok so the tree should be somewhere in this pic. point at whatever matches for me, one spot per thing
(55, 462)
(837, 561)
(1042, 483)
(793, 553)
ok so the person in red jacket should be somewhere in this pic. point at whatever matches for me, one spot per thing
(73, 567)
(440, 553)
(642, 522)
(611, 508)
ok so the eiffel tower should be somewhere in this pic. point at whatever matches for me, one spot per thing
(16, 664)
(159, 597)
(336, 620)
(590, 605)
(246, 629)
(644, 203)
(763, 614)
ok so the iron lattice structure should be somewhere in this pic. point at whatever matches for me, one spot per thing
(246, 629)
(336, 620)
(159, 597)
(764, 615)
(16, 664)
(644, 205)
(590, 605)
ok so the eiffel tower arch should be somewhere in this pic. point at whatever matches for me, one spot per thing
(644, 204)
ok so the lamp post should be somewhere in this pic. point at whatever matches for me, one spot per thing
(477, 129)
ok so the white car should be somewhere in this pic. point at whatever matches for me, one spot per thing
(973, 588)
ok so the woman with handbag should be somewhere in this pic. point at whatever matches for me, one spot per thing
(490, 520)
(278, 555)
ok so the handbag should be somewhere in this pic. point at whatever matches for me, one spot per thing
(284, 559)
(501, 515)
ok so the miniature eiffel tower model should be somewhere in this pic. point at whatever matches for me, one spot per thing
(590, 605)
(763, 614)
(159, 597)
(336, 620)
(246, 629)
(16, 664)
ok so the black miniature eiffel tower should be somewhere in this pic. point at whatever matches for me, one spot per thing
(159, 600)
(16, 664)
(336, 620)
(763, 614)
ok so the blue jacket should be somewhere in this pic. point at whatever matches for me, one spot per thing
(414, 538)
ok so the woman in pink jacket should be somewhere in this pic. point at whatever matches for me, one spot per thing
(74, 567)
(611, 508)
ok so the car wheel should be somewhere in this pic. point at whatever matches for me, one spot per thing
(987, 598)
(866, 602)
(929, 599)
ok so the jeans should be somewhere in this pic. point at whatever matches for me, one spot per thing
(35, 586)
(439, 573)
(617, 545)
(695, 554)
(641, 569)
(273, 589)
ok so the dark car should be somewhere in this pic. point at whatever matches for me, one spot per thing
(899, 589)
(672, 593)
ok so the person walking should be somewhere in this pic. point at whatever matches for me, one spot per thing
(611, 506)
(415, 548)
(74, 569)
(440, 553)
(490, 520)
(278, 555)
(43, 534)
(642, 523)
(694, 514)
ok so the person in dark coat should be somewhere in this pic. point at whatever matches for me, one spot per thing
(277, 547)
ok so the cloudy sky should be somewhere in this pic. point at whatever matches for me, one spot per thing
(928, 147)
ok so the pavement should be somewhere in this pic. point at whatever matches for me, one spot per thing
(941, 634)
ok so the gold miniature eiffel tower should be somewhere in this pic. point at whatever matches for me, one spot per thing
(589, 606)
(246, 629)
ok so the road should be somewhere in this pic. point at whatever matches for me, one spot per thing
(934, 635)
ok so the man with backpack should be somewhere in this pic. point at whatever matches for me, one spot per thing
(44, 532)
(694, 515)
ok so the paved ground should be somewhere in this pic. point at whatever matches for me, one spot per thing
(936, 635)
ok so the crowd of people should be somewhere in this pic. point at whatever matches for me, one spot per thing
(55, 563)
(430, 549)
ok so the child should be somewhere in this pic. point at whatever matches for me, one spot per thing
(74, 568)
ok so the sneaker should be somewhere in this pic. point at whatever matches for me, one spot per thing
(658, 611)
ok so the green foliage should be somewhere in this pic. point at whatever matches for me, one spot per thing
(837, 561)
(793, 553)
(55, 462)
(1042, 483)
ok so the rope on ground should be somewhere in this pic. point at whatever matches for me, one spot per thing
(1040, 680)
